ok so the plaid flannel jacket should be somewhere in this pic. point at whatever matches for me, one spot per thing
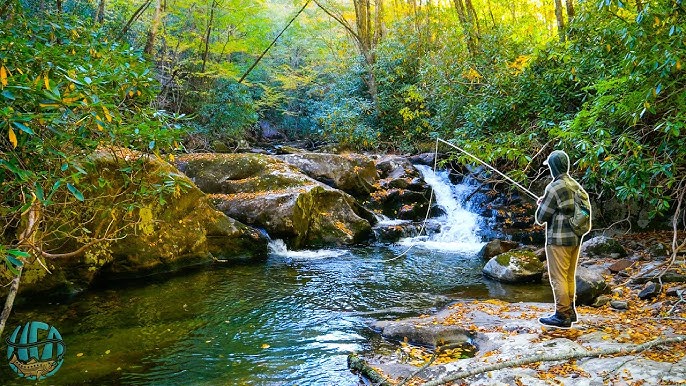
(555, 210)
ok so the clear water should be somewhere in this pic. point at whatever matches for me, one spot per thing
(290, 321)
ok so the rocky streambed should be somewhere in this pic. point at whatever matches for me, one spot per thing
(631, 329)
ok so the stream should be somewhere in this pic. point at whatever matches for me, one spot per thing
(290, 321)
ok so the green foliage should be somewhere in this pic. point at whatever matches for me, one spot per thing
(229, 110)
(66, 90)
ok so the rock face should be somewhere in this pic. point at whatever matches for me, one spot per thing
(602, 246)
(175, 229)
(354, 174)
(268, 193)
(515, 267)
(402, 192)
(590, 284)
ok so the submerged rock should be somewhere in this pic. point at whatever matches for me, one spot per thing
(268, 193)
(515, 267)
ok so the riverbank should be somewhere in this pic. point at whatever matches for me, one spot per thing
(473, 335)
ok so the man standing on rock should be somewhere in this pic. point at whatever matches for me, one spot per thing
(555, 209)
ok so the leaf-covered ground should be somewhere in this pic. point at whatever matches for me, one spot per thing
(502, 332)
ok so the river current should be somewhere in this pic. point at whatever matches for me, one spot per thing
(290, 321)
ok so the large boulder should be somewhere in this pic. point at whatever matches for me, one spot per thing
(517, 266)
(602, 246)
(352, 173)
(590, 284)
(269, 193)
(140, 235)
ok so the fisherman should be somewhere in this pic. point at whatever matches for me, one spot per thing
(555, 209)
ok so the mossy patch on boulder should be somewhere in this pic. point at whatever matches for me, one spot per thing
(155, 232)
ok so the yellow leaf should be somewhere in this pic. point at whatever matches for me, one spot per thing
(79, 354)
(265, 345)
(46, 81)
(97, 122)
(138, 92)
(678, 64)
(107, 114)
(13, 138)
(107, 352)
(130, 93)
(3, 76)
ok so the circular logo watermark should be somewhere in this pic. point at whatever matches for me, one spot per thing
(35, 350)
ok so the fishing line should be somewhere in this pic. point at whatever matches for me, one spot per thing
(428, 211)
(527, 191)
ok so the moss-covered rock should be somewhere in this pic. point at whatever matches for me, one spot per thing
(602, 246)
(268, 193)
(518, 266)
(159, 231)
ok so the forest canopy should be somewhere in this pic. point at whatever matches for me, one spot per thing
(509, 81)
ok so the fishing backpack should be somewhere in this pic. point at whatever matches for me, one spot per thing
(581, 219)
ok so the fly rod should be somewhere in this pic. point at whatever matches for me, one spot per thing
(535, 197)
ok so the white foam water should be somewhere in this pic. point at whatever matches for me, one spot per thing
(279, 248)
(458, 226)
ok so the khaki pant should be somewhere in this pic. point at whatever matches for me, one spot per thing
(562, 261)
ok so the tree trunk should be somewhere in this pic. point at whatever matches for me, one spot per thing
(380, 28)
(639, 5)
(464, 15)
(59, 6)
(9, 301)
(134, 17)
(30, 220)
(570, 9)
(560, 20)
(100, 13)
(207, 36)
(154, 26)
(472, 17)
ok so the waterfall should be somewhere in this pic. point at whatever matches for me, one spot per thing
(458, 226)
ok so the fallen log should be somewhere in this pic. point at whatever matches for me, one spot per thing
(362, 367)
(631, 349)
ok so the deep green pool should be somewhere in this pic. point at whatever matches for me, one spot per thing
(290, 321)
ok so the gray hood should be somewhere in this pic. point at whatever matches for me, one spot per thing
(558, 162)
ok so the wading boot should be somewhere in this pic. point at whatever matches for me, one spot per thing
(573, 318)
(556, 320)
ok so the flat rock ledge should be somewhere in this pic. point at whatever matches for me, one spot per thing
(504, 331)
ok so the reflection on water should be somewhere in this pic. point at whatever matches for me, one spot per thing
(291, 321)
